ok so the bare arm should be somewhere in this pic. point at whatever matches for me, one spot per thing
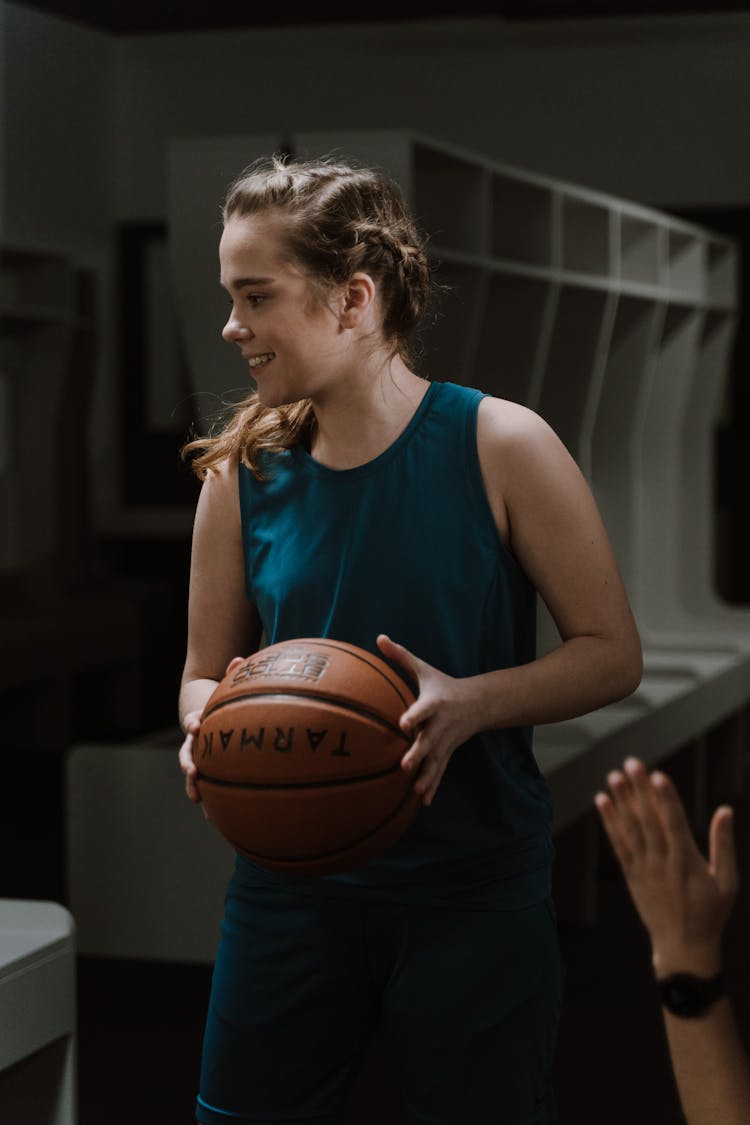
(548, 518)
(684, 903)
(222, 623)
(710, 1067)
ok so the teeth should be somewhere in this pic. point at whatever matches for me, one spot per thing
(256, 360)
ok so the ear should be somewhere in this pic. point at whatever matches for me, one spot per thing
(357, 299)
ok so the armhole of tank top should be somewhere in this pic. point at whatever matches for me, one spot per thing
(477, 488)
(244, 478)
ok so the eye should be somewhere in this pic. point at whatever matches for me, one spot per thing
(255, 299)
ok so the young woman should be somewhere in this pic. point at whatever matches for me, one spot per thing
(351, 498)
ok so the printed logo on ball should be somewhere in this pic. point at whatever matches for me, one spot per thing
(297, 663)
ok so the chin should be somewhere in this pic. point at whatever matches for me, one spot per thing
(272, 397)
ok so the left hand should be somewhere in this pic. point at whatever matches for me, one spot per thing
(440, 720)
(683, 900)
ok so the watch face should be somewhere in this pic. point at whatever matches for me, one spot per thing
(686, 995)
(677, 997)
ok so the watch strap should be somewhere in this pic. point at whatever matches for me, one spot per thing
(686, 995)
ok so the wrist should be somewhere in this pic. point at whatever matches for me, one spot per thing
(486, 701)
(700, 961)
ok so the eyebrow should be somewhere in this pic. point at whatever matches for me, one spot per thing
(242, 282)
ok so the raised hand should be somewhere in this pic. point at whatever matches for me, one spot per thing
(683, 899)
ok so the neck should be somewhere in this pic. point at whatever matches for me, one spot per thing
(364, 415)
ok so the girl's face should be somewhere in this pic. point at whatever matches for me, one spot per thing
(294, 344)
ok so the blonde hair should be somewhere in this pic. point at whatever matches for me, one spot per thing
(340, 219)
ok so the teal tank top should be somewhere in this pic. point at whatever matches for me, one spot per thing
(406, 544)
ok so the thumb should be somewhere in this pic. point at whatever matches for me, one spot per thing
(408, 661)
(416, 670)
(722, 854)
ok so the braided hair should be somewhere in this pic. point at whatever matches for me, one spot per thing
(339, 219)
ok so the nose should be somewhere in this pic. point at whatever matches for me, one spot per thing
(233, 331)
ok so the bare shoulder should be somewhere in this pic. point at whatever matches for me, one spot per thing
(222, 477)
(511, 438)
(218, 502)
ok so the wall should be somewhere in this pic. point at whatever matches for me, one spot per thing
(57, 119)
(655, 110)
(57, 138)
(3, 102)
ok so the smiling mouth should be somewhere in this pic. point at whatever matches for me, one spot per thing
(256, 361)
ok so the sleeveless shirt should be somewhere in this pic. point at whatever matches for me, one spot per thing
(406, 544)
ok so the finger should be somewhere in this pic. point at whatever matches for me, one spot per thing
(191, 788)
(428, 780)
(429, 795)
(610, 819)
(411, 663)
(187, 763)
(416, 753)
(644, 806)
(234, 663)
(623, 798)
(674, 818)
(417, 715)
(722, 852)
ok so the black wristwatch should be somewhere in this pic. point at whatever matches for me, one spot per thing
(686, 995)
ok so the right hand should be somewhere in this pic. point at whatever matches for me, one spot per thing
(191, 725)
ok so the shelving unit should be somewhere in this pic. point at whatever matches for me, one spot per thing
(586, 236)
(640, 249)
(37, 322)
(440, 176)
(521, 218)
(517, 323)
(58, 625)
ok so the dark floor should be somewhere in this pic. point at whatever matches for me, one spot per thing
(140, 1024)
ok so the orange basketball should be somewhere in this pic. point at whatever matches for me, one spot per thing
(299, 756)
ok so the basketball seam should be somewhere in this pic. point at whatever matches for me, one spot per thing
(323, 783)
(325, 855)
(343, 704)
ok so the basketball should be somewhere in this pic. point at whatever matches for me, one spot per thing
(299, 757)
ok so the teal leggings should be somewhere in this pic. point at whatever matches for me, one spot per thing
(470, 999)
